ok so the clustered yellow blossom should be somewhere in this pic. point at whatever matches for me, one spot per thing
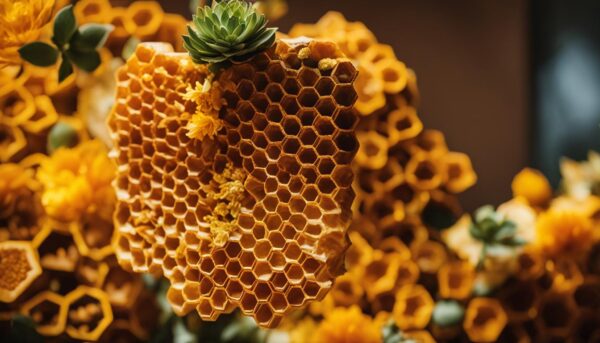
(532, 186)
(228, 196)
(564, 232)
(21, 22)
(208, 98)
(347, 325)
(77, 181)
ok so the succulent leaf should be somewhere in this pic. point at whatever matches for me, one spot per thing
(231, 31)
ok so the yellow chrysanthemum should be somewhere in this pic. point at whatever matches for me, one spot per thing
(202, 125)
(77, 181)
(21, 22)
(564, 232)
(347, 325)
(532, 185)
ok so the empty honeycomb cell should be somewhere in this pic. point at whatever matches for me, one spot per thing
(429, 255)
(147, 16)
(520, 300)
(12, 141)
(373, 150)
(565, 273)
(89, 313)
(484, 320)
(423, 172)
(57, 249)
(455, 280)
(587, 295)
(413, 307)
(531, 265)
(345, 72)
(49, 312)
(403, 124)
(556, 314)
(345, 95)
(459, 172)
(393, 73)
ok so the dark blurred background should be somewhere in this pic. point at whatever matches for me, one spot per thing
(512, 83)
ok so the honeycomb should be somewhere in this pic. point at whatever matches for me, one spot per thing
(277, 178)
(406, 184)
(141, 20)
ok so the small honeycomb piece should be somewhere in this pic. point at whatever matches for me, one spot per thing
(88, 314)
(413, 308)
(484, 320)
(256, 216)
(455, 280)
(49, 312)
(19, 267)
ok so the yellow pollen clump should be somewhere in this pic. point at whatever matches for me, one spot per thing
(14, 268)
(228, 197)
(208, 98)
(327, 64)
(304, 53)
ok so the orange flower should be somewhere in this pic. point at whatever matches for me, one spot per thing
(78, 181)
(563, 232)
(21, 21)
(347, 325)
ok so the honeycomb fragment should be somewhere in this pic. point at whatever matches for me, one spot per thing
(484, 320)
(49, 312)
(88, 314)
(19, 266)
(254, 217)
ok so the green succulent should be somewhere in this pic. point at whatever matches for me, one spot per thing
(230, 31)
(494, 231)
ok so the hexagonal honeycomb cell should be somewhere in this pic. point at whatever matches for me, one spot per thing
(19, 267)
(256, 216)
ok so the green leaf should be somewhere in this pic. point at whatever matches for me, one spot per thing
(64, 26)
(61, 135)
(39, 54)
(91, 37)
(129, 47)
(65, 70)
(447, 313)
(84, 60)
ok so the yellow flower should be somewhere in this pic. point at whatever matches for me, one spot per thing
(532, 185)
(564, 232)
(347, 325)
(21, 22)
(202, 125)
(207, 95)
(77, 181)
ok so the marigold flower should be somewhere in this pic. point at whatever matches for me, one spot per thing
(563, 232)
(347, 325)
(21, 21)
(77, 181)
